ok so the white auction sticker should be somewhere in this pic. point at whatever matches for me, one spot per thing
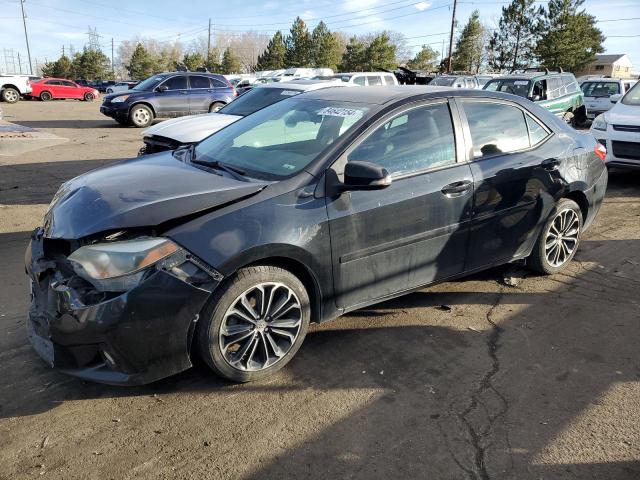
(339, 112)
(521, 82)
(289, 92)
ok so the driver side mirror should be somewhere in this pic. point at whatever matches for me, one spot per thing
(614, 98)
(365, 176)
(162, 88)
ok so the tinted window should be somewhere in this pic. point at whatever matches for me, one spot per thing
(388, 79)
(68, 84)
(374, 80)
(537, 133)
(217, 83)
(150, 83)
(53, 82)
(258, 98)
(176, 83)
(600, 89)
(495, 128)
(197, 81)
(359, 81)
(414, 140)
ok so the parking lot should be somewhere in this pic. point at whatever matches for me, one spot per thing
(468, 379)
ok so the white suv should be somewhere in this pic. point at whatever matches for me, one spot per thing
(598, 91)
(13, 86)
(368, 79)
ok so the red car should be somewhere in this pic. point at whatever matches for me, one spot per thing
(49, 88)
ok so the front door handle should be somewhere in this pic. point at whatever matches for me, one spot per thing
(551, 163)
(457, 189)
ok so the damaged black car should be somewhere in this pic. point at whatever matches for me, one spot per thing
(310, 208)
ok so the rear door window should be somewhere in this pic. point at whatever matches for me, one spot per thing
(537, 133)
(198, 81)
(414, 140)
(374, 80)
(217, 83)
(360, 81)
(388, 80)
(53, 82)
(176, 83)
(495, 128)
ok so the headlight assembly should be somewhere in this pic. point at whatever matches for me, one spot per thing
(599, 123)
(120, 266)
(119, 99)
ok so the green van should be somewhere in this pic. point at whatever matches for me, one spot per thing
(558, 92)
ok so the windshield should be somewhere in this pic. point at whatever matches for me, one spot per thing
(281, 139)
(632, 97)
(150, 83)
(443, 81)
(256, 99)
(600, 89)
(514, 86)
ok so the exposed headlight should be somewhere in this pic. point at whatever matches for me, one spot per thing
(599, 123)
(119, 266)
(119, 99)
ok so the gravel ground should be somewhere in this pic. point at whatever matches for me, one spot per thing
(468, 379)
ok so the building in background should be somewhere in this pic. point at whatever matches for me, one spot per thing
(615, 66)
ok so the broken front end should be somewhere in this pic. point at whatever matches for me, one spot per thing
(118, 309)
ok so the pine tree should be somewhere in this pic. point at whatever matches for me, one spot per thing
(298, 45)
(381, 53)
(354, 56)
(141, 65)
(193, 61)
(61, 68)
(570, 38)
(273, 56)
(230, 62)
(512, 46)
(91, 64)
(425, 59)
(325, 47)
(468, 53)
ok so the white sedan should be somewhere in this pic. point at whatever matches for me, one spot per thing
(619, 129)
(177, 132)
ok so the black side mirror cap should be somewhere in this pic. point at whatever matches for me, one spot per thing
(365, 176)
(162, 88)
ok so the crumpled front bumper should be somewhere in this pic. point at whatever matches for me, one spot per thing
(131, 338)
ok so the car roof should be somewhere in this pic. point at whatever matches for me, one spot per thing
(304, 85)
(361, 73)
(388, 94)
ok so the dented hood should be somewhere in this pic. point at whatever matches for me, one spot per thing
(141, 192)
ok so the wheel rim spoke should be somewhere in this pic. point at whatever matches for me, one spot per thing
(562, 237)
(260, 326)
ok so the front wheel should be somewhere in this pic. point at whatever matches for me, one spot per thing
(254, 324)
(10, 95)
(558, 240)
(140, 116)
(215, 106)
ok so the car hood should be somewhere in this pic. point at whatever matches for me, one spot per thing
(623, 114)
(141, 192)
(191, 129)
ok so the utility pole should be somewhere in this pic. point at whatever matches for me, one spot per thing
(63, 50)
(453, 24)
(113, 68)
(209, 45)
(26, 37)
(19, 64)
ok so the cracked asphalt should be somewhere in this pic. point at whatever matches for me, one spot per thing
(470, 379)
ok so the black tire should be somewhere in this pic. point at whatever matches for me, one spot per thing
(89, 97)
(227, 295)
(538, 260)
(10, 95)
(215, 106)
(140, 116)
(45, 96)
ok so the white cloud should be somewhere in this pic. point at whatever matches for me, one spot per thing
(422, 5)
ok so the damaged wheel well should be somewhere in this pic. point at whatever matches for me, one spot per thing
(581, 199)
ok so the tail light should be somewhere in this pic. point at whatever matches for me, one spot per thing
(600, 151)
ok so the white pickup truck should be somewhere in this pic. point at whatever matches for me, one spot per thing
(13, 86)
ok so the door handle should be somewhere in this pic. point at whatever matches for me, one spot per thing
(457, 189)
(551, 163)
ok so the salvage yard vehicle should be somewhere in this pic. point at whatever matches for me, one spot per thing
(60, 88)
(619, 129)
(456, 81)
(177, 132)
(120, 87)
(597, 93)
(368, 79)
(14, 86)
(309, 208)
(558, 92)
(171, 94)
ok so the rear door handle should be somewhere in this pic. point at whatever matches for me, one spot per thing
(551, 163)
(457, 189)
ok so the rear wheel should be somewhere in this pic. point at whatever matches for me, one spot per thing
(254, 324)
(10, 95)
(558, 240)
(140, 116)
(45, 96)
(215, 106)
(89, 97)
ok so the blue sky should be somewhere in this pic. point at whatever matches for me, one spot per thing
(52, 23)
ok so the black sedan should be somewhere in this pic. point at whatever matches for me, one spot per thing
(309, 208)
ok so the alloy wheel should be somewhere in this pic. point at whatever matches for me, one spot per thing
(260, 326)
(562, 237)
(11, 96)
